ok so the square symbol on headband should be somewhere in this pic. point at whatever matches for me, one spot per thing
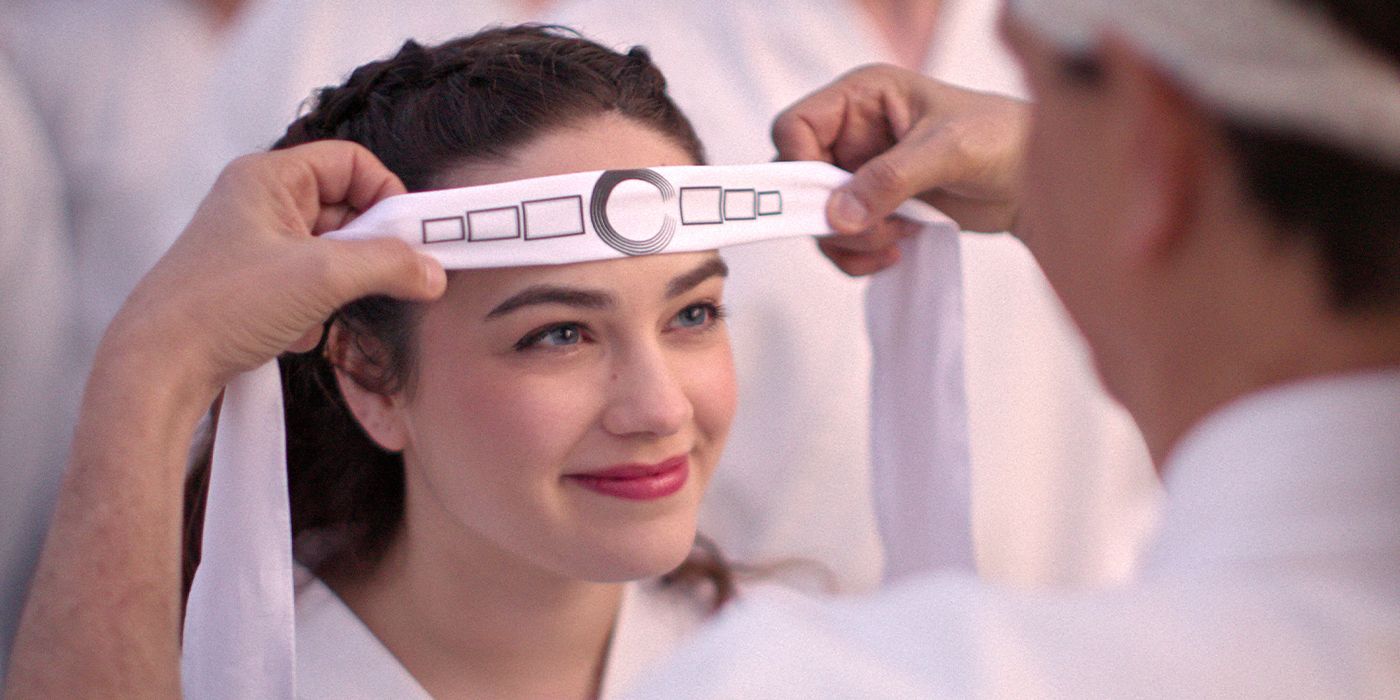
(770, 203)
(740, 204)
(493, 224)
(449, 228)
(701, 205)
(554, 217)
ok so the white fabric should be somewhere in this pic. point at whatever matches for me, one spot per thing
(115, 82)
(38, 393)
(340, 658)
(1282, 64)
(1274, 575)
(275, 57)
(918, 425)
(239, 626)
(1063, 488)
(239, 623)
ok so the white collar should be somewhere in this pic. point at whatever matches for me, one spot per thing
(1304, 469)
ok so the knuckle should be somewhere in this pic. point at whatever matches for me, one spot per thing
(886, 175)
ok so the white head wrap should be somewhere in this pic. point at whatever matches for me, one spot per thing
(239, 639)
(1277, 63)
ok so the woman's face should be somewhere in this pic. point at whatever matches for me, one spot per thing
(568, 417)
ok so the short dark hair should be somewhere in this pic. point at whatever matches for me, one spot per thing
(1344, 204)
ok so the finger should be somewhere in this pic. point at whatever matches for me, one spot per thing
(884, 234)
(336, 174)
(845, 122)
(906, 170)
(383, 266)
(807, 130)
(859, 263)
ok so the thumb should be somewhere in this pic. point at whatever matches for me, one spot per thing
(882, 184)
(386, 266)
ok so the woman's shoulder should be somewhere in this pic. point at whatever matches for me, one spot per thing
(337, 655)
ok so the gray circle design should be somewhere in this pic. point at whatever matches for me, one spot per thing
(598, 212)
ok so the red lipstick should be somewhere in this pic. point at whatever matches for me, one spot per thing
(637, 482)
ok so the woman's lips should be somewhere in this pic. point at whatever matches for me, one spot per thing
(637, 482)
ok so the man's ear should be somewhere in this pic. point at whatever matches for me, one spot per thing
(380, 415)
(1163, 129)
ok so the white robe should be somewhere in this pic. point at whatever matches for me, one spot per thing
(1062, 486)
(279, 53)
(1276, 573)
(115, 82)
(38, 393)
(339, 658)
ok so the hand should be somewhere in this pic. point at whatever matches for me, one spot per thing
(248, 279)
(905, 135)
(244, 282)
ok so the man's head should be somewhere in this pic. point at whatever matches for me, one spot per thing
(1210, 231)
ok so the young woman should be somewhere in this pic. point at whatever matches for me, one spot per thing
(475, 481)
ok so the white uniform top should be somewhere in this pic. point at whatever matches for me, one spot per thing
(1276, 573)
(38, 393)
(115, 82)
(1062, 487)
(339, 658)
(281, 51)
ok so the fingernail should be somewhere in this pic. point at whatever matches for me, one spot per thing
(847, 212)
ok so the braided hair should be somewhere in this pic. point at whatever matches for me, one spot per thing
(423, 112)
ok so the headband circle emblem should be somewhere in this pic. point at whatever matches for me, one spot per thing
(598, 212)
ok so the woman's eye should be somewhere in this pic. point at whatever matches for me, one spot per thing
(560, 335)
(698, 315)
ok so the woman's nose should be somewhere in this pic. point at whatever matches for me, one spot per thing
(646, 396)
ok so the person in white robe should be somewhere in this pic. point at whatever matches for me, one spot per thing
(116, 82)
(111, 82)
(1063, 490)
(38, 395)
(279, 53)
(1227, 242)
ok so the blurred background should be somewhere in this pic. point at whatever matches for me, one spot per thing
(117, 115)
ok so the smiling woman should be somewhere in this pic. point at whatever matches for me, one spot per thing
(507, 479)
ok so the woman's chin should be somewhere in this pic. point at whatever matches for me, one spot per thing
(634, 556)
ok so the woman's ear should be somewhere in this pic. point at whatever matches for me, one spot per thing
(380, 415)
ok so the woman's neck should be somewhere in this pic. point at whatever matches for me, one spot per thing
(470, 620)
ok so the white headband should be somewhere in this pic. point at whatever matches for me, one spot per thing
(239, 638)
(1269, 62)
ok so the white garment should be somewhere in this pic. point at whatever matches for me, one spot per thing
(38, 394)
(115, 82)
(280, 52)
(1276, 573)
(1063, 489)
(339, 657)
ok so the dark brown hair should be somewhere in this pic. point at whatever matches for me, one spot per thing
(422, 112)
(1342, 204)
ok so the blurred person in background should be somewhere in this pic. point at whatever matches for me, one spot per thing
(37, 387)
(95, 91)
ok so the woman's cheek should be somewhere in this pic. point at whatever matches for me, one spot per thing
(714, 392)
(538, 413)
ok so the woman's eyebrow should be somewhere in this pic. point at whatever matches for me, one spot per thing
(551, 294)
(714, 267)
